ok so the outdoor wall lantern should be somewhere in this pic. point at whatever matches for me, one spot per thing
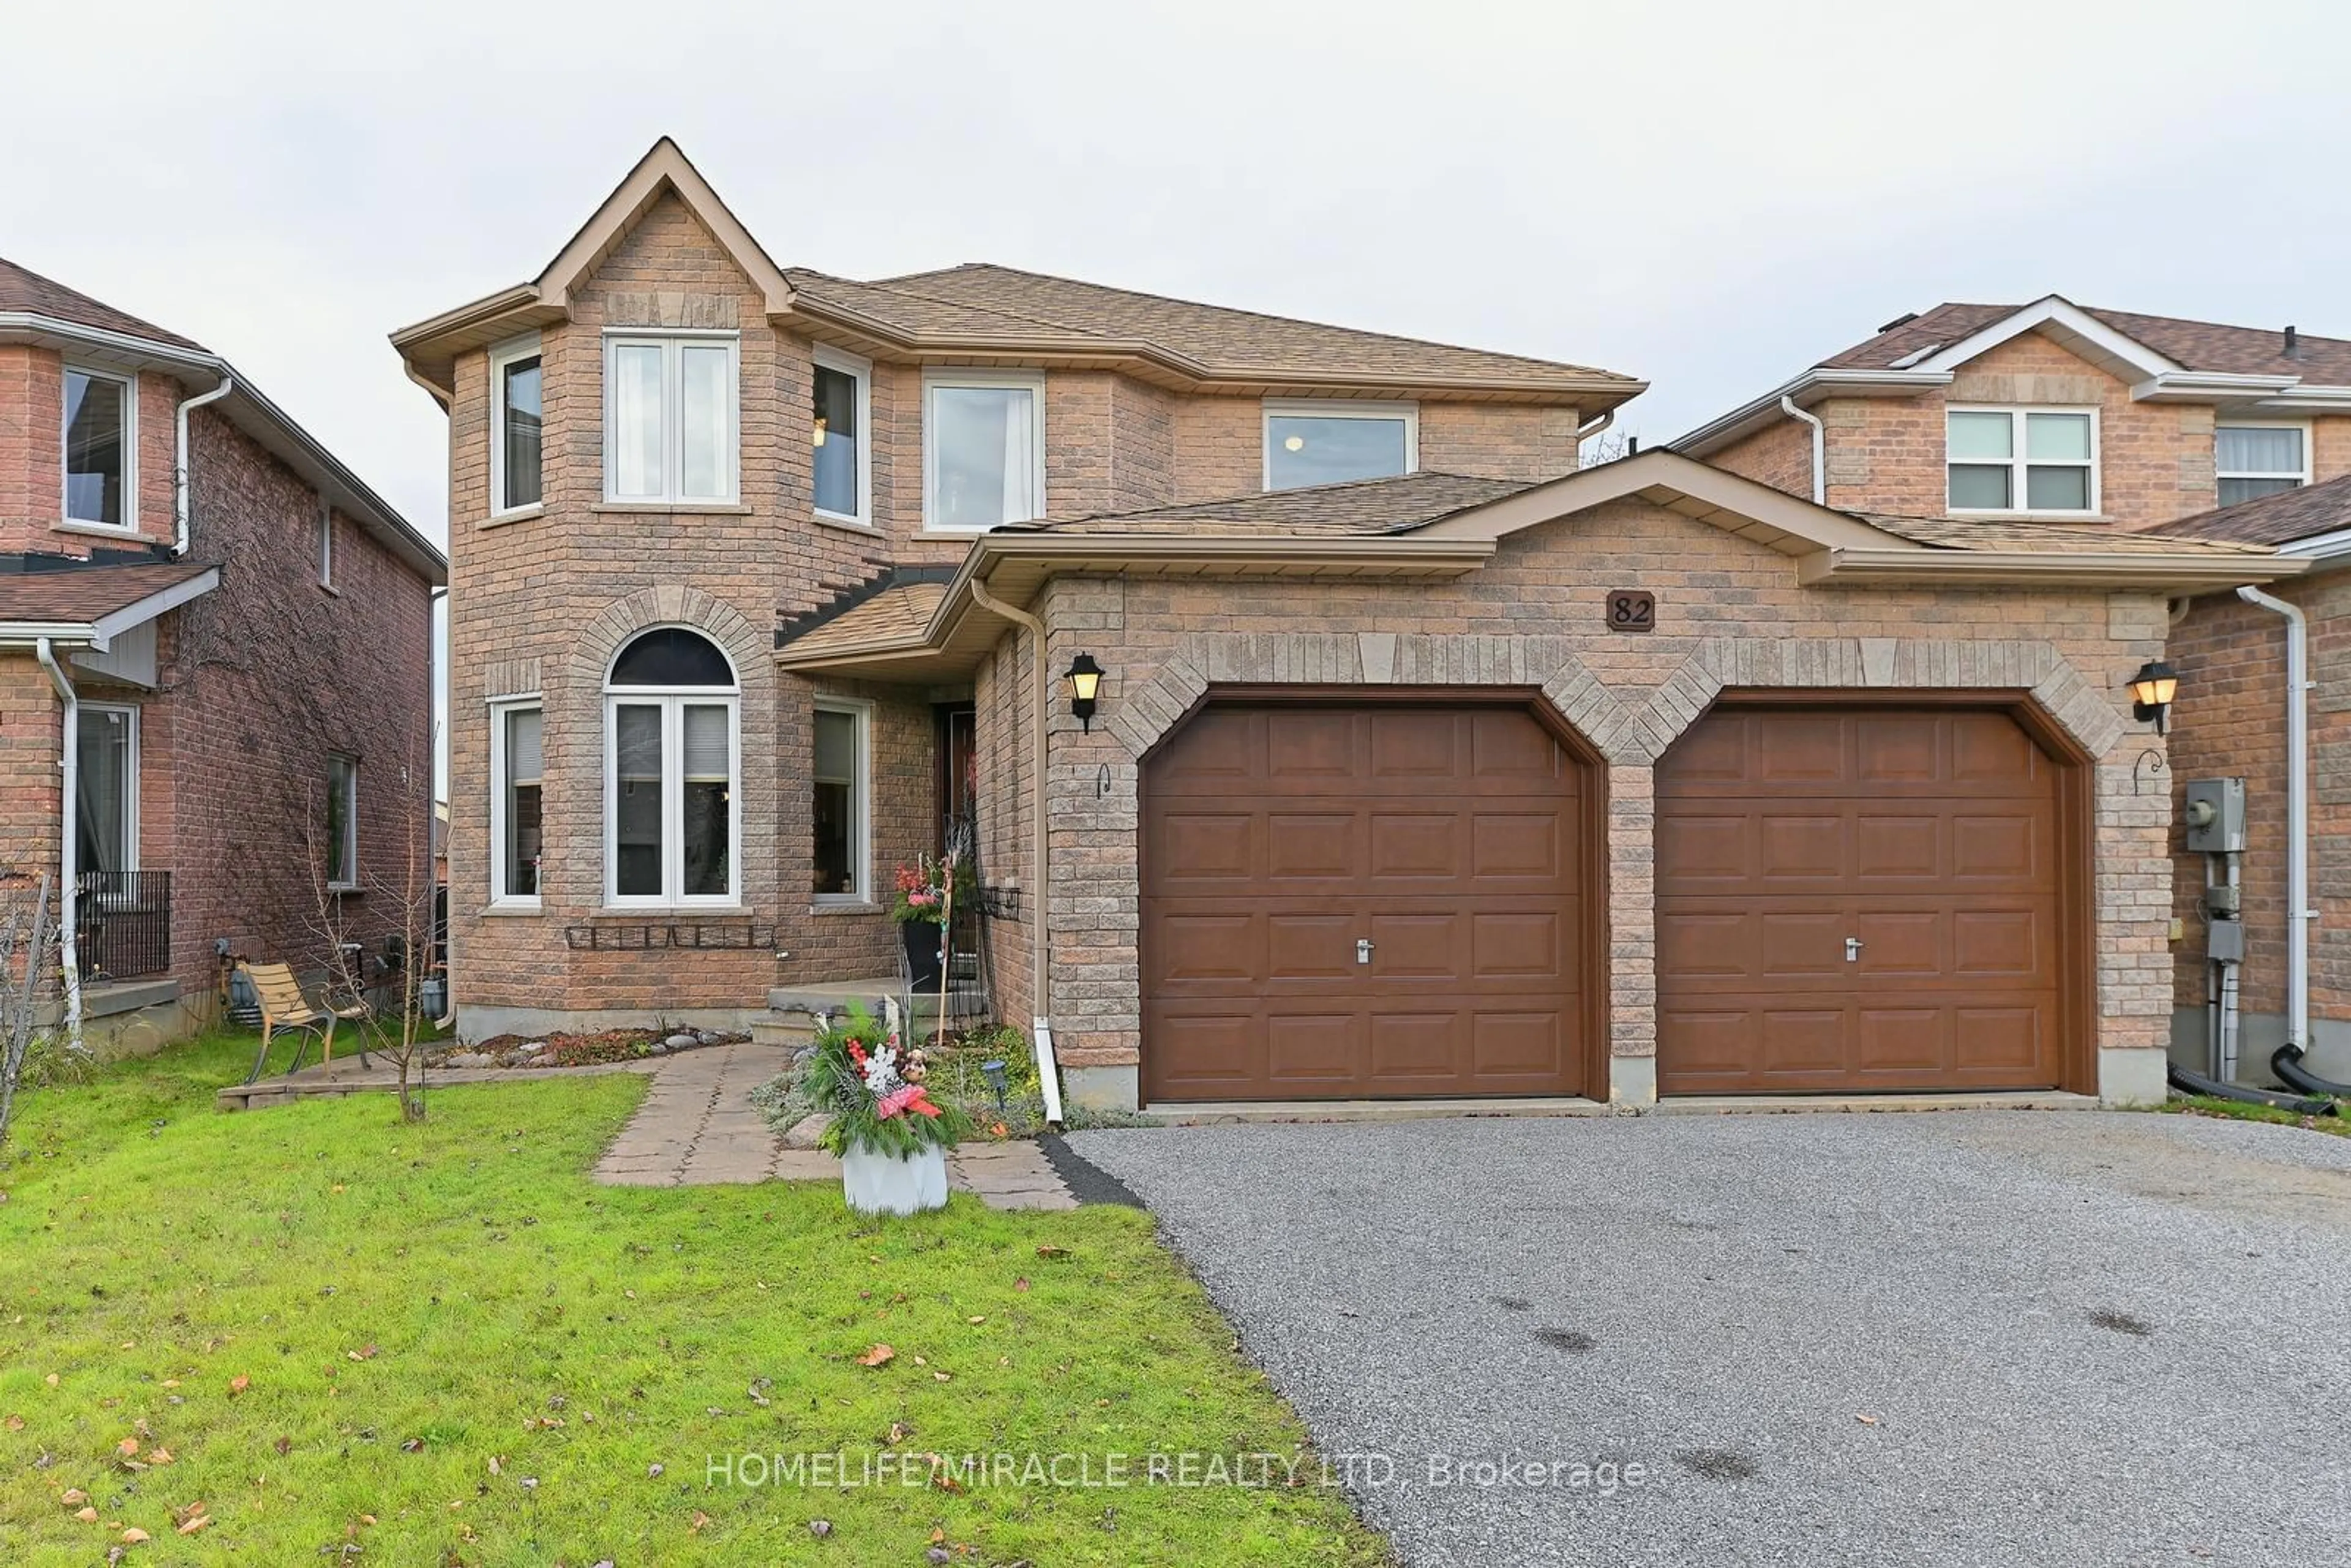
(2152, 690)
(1085, 684)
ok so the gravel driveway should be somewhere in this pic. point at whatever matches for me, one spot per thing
(1974, 1337)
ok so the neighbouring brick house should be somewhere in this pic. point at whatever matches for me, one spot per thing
(1421, 763)
(214, 662)
(2054, 413)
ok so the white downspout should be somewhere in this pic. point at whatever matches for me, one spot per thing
(1043, 685)
(69, 771)
(2297, 812)
(1820, 449)
(179, 508)
(1584, 433)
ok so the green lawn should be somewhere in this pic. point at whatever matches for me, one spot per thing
(443, 1344)
(2236, 1110)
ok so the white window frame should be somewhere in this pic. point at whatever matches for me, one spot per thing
(501, 711)
(861, 802)
(1274, 408)
(349, 881)
(130, 713)
(672, 701)
(130, 385)
(2018, 463)
(825, 357)
(326, 542)
(2302, 479)
(673, 416)
(505, 354)
(933, 381)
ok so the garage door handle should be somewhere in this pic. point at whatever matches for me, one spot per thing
(1853, 946)
(1363, 949)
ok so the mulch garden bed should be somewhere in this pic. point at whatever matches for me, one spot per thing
(598, 1050)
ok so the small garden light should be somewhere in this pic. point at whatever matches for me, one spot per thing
(994, 1073)
(2152, 690)
(1085, 684)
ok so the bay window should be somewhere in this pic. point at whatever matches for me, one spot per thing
(841, 462)
(1335, 443)
(102, 478)
(673, 773)
(2254, 460)
(983, 451)
(518, 775)
(2022, 460)
(840, 772)
(669, 418)
(518, 416)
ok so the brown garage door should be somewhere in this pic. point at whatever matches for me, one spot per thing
(1278, 836)
(1857, 899)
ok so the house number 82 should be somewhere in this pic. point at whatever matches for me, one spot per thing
(1632, 610)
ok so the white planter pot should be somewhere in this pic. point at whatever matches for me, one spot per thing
(883, 1184)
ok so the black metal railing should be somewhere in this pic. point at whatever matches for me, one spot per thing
(123, 924)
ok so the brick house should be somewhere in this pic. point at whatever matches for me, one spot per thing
(2052, 414)
(1421, 763)
(214, 663)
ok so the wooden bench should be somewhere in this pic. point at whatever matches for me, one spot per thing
(285, 1009)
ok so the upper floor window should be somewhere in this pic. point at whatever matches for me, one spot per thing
(983, 451)
(1331, 443)
(672, 769)
(102, 418)
(841, 464)
(2022, 459)
(326, 542)
(669, 418)
(517, 411)
(2260, 460)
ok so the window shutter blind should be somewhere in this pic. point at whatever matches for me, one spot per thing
(526, 751)
(705, 742)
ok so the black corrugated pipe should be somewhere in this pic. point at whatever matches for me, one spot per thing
(2188, 1083)
(2286, 1063)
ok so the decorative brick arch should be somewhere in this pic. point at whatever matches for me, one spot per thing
(669, 605)
(1892, 664)
(1374, 659)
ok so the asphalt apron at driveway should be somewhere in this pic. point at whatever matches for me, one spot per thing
(1965, 1338)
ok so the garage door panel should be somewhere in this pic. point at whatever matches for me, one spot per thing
(1451, 837)
(1311, 1048)
(1419, 845)
(2008, 847)
(1901, 1040)
(1888, 848)
(1312, 844)
(1307, 946)
(1931, 836)
(1515, 846)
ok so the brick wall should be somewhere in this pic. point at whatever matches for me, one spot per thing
(1887, 453)
(2230, 720)
(541, 602)
(1730, 612)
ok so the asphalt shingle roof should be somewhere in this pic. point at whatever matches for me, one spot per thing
(2197, 345)
(25, 290)
(82, 594)
(2279, 519)
(984, 299)
(1359, 506)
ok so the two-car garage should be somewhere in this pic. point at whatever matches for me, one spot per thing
(1405, 898)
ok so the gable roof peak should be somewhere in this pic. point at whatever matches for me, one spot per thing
(663, 171)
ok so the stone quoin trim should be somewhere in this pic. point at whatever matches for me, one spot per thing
(1630, 729)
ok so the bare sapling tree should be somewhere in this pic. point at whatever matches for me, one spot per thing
(377, 927)
(28, 943)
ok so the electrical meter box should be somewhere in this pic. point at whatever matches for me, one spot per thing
(2214, 812)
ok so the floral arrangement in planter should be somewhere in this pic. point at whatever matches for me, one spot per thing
(933, 886)
(890, 1135)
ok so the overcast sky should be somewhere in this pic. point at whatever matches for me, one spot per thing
(1707, 195)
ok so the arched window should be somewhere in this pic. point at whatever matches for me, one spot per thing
(672, 769)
